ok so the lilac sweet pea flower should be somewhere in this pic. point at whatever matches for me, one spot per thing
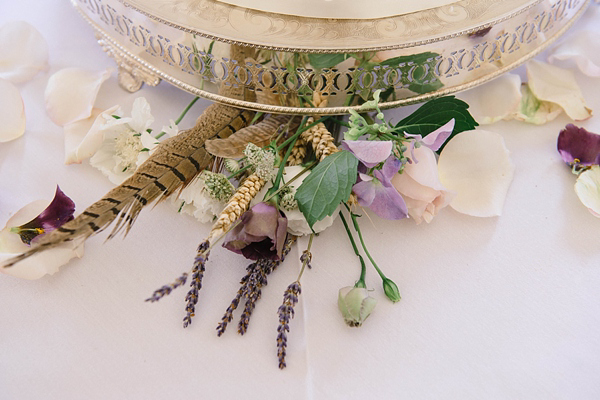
(377, 191)
(260, 233)
(578, 147)
(434, 140)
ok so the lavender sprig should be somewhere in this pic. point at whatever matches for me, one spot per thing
(196, 284)
(286, 310)
(286, 313)
(167, 289)
(250, 289)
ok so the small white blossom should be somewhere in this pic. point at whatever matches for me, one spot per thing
(197, 201)
(262, 161)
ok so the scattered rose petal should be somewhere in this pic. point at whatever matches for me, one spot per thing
(12, 112)
(534, 111)
(587, 188)
(38, 265)
(71, 93)
(495, 100)
(84, 137)
(557, 85)
(24, 52)
(420, 187)
(583, 48)
(578, 146)
(476, 165)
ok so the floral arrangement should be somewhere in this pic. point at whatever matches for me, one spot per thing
(264, 180)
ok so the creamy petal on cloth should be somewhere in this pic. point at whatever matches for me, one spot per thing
(71, 93)
(495, 100)
(24, 52)
(557, 85)
(36, 266)
(535, 111)
(421, 188)
(582, 48)
(12, 112)
(477, 166)
(587, 188)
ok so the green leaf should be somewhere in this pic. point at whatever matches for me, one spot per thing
(427, 58)
(435, 113)
(319, 61)
(328, 184)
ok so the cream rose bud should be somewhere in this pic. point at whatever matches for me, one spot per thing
(420, 186)
(355, 305)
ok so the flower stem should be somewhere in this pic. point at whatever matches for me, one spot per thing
(308, 167)
(363, 267)
(247, 167)
(306, 260)
(185, 110)
(362, 242)
(178, 120)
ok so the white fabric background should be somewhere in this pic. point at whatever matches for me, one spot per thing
(495, 308)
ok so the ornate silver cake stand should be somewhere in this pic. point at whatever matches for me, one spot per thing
(411, 57)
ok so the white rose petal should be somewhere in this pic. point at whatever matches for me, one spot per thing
(494, 100)
(12, 112)
(534, 110)
(24, 51)
(557, 85)
(71, 93)
(45, 263)
(587, 188)
(583, 48)
(477, 166)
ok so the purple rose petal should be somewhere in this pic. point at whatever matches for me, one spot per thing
(435, 139)
(577, 146)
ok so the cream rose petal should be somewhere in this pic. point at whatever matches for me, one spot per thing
(84, 137)
(38, 265)
(495, 100)
(24, 51)
(12, 112)
(535, 111)
(71, 93)
(557, 85)
(477, 166)
(587, 188)
(583, 48)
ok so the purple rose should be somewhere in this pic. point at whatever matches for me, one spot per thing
(260, 233)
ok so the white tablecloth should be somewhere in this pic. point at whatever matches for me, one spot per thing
(492, 308)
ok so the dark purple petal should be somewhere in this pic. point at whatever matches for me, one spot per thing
(60, 211)
(260, 233)
(369, 152)
(578, 146)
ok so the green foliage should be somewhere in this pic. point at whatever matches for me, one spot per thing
(319, 61)
(328, 184)
(419, 86)
(435, 113)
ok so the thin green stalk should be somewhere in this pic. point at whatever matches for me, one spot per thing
(363, 267)
(362, 242)
(300, 130)
(256, 117)
(288, 183)
(183, 113)
(247, 167)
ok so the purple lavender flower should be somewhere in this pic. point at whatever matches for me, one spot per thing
(579, 147)
(60, 211)
(260, 233)
(375, 190)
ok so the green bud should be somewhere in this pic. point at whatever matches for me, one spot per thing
(380, 116)
(391, 290)
(355, 305)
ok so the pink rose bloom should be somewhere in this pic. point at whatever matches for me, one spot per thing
(420, 186)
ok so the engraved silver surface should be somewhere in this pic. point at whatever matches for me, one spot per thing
(439, 51)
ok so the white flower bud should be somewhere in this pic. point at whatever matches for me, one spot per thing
(355, 305)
